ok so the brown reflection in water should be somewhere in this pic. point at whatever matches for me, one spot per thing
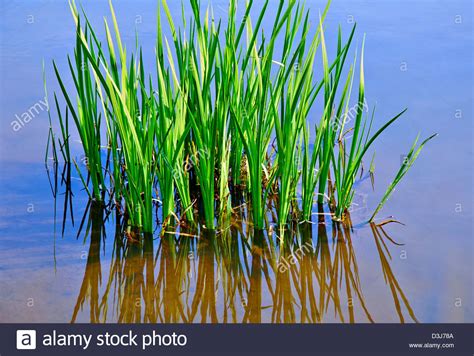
(231, 276)
(93, 275)
(385, 257)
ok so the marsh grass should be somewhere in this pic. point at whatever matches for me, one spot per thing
(223, 121)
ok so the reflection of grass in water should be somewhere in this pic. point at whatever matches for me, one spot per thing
(233, 277)
(199, 133)
(396, 290)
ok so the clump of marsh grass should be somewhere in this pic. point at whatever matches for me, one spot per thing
(199, 130)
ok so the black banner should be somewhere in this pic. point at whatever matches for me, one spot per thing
(179, 339)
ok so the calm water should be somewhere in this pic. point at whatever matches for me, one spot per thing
(418, 55)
